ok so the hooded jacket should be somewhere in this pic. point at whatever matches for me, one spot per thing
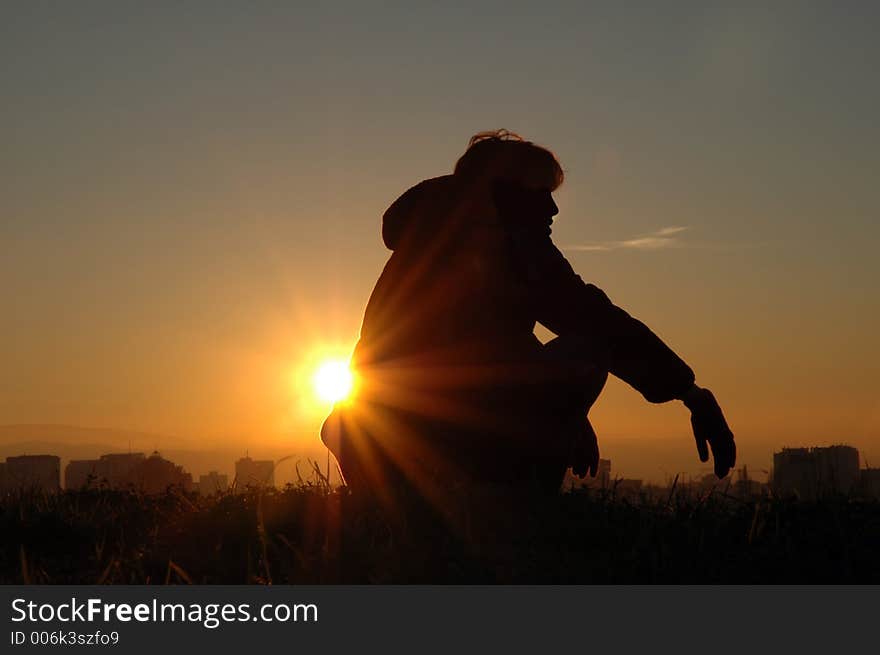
(462, 288)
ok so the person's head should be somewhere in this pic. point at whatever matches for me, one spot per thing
(503, 155)
(518, 177)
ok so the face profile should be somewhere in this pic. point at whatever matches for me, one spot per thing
(523, 207)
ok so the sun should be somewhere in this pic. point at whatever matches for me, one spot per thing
(333, 380)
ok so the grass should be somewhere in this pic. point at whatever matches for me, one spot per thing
(312, 534)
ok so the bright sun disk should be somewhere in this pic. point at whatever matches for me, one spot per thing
(333, 380)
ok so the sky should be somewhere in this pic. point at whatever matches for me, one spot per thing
(192, 195)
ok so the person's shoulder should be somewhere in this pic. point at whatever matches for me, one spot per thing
(416, 209)
(430, 186)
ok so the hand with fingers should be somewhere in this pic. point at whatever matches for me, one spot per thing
(585, 451)
(710, 429)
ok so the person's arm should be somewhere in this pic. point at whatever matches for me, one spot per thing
(569, 306)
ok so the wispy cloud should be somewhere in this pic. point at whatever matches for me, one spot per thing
(665, 237)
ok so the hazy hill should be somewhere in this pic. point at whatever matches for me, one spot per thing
(76, 435)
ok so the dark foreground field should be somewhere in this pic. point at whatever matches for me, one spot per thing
(310, 534)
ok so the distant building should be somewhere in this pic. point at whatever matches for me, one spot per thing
(254, 473)
(118, 469)
(80, 473)
(156, 475)
(152, 474)
(35, 472)
(3, 486)
(213, 483)
(794, 472)
(115, 470)
(837, 468)
(812, 473)
(869, 483)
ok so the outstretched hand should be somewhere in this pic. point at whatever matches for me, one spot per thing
(585, 451)
(710, 430)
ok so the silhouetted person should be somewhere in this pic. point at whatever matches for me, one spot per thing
(453, 386)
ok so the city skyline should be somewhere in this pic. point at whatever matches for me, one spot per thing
(809, 471)
(653, 459)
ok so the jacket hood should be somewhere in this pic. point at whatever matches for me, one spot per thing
(421, 211)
